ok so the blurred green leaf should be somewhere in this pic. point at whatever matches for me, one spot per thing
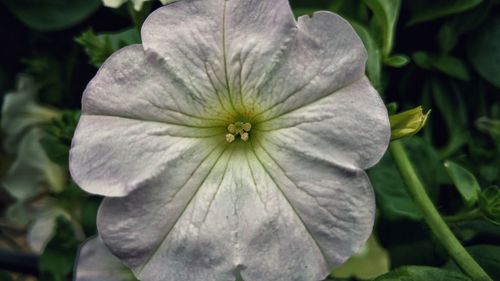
(489, 203)
(392, 199)
(430, 10)
(465, 182)
(407, 123)
(451, 66)
(52, 15)
(32, 172)
(298, 12)
(58, 135)
(422, 273)
(57, 261)
(373, 66)
(489, 126)
(453, 110)
(397, 60)
(371, 261)
(99, 47)
(21, 112)
(386, 12)
(483, 50)
(450, 32)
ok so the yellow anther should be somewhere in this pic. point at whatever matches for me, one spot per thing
(244, 136)
(231, 128)
(230, 138)
(247, 127)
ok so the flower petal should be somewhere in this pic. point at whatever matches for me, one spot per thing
(222, 47)
(95, 262)
(350, 128)
(113, 156)
(240, 214)
(133, 84)
(325, 56)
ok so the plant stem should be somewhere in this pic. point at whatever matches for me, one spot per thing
(432, 217)
(19, 262)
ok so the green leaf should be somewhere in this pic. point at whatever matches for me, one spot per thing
(386, 12)
(489, 203)
(393, 201)
(56, 262)
(58, 135)
(431, 10)
(422, 273)
(373, 66)
(5, 276)
(397, 61)
(465, 182)
(99, 47)
(453, 110)
(451, 66)
(483, 50)
(298, 12)
(489, 126)
(371, 261)
(32, 172)
(407, 123)
(450, 32)
(52, 15)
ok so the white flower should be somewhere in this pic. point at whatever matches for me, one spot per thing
(287, 201)
(96, 263)
(137, 3)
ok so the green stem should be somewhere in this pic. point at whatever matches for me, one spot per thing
(468, 216)
(432, 217)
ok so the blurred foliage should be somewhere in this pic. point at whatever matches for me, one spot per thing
(443, 55)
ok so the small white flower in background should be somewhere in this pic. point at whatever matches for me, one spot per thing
(137, 3)
(233, 142)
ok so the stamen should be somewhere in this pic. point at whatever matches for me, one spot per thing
(247, 127)
(230, 138)
(231, 128)
(244, 136)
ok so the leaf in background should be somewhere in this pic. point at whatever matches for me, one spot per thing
(422, 273)
(99, 47)
(453, 110)
(386, 12)
(5, 276)
(56, 262)
(95, 262)
(465, 182)
(430, 10)
(373, 66)
(397, 60)
(20, 112)
(407, 123)
(52, 15)
(489, 203)
(58, 135)
(450, 32)
(483, 50)
(489, 126)
(393, 201)
(487, 256)
(32, 172)
(451, 66)
(371, 261)
(298, 12)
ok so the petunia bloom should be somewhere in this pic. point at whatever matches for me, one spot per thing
(232, 142)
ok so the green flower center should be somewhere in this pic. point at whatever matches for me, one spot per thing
(239, 130)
